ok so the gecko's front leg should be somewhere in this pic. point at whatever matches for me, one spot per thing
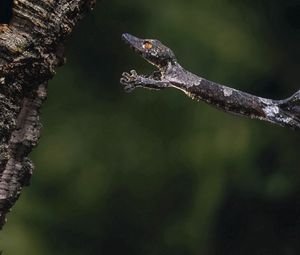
(132, 80)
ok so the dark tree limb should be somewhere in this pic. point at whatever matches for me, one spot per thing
(171, 74)
(31, 47)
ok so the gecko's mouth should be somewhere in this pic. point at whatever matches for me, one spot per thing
(128, 38)
(133, 42)
(140, 47)
(136, 44)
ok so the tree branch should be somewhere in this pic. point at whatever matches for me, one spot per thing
(31, 47)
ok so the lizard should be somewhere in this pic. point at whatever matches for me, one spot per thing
(170, 74)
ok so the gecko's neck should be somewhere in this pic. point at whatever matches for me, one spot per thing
(170, 67)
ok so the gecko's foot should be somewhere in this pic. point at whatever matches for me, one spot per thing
(130, 80)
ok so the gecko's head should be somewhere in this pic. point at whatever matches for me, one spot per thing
(152, 50)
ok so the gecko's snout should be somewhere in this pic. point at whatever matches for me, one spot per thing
(125, 36)
(129, 38)
(134, 43)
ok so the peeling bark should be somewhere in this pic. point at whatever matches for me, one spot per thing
(31, 48)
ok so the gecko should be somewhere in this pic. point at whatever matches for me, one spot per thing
(170, 74)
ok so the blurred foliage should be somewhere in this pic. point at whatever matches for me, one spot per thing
(155, 172)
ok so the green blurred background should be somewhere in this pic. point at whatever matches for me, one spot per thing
(155, 172)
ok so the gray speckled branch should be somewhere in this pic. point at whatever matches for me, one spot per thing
(31, 47)
(285, 112)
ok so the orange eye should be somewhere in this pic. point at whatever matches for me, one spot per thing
(147, 45)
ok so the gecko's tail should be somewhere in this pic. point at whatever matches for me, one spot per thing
(290, 111)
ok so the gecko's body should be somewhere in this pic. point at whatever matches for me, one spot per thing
(171, 74)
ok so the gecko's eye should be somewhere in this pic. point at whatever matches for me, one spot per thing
(147, 45)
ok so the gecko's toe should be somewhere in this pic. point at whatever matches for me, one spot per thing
(128, 82)
(129, 88)
(130, 77)
(133, 73)
(123, 81)
(126, 75)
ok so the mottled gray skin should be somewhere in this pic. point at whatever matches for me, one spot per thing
(170, 73)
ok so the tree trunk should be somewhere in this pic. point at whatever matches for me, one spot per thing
(31, 47)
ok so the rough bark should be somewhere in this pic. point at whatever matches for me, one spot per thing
(31, 48)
